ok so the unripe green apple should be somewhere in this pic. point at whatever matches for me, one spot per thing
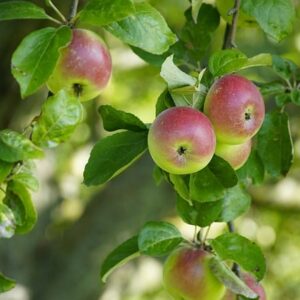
(181, 140)
(236, 109)
(84, 66)
(252, 284)
(187, 275)
(235, 155)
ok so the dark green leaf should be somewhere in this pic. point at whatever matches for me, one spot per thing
(271, 88)
(253, 169)
(274, 144)
(114, 119)
(60, 115)
(196, 38)
(231, 246)
(158, 175)
(236, 202)
(229, 279)
(295, 96)
(285, 68)
(164, 102)
(276, 18)
(152, 59)
(196, 213)
(36, 56)
(181, 185)
(16, 147)
(145, 29)
(158, 238)
(19, 201)
(283, 99)
(5, 169)
(118, 257)
(112, 155)
(12, 10)
(196, 5)
(6, 283)
(104, 12)
(7, 222)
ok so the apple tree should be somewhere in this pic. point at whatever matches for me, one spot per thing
(212, 137)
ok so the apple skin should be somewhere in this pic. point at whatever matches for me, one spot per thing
(252, 284)
(235, 155)
(187, 276)
(181, 140)
(84, 66)
(236, 109)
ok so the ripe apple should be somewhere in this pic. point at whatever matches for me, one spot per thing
(235, 155)
(236, 109)
(84, 66)
(181, 140)
(187, 275)
(252, 284)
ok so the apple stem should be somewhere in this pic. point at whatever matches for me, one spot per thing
(230, 31)
(73, 12)
(57, 11)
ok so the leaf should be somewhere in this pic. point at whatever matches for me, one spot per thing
(158, 238)
(6, 283)
(118, 257)
(26, 178)
(196, 5)
(5, 169)
(173, 76)
(164, 102)
(198, 213)
(276, 18)
(15, 147)
(19, 201)
(112, 155)
(13, 10)
(253, 169)
(229, 279)
(7, 222)
(104, 12)
(181, 185)
(295, 96)
(152, 59)
(260, 60)
(60, 115)
(196, 38)
(114, 119)
(145, 29)
(231, 246)
(274, 144)
(36, 56)
(271, 88)
(236, 202)
(285, 68)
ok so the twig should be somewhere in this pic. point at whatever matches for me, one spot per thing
(73, 12)
(57, 11)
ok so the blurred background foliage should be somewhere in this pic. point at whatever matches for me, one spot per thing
(60, 259)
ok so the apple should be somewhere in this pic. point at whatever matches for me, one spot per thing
(235, 155)
(181, 140)
(236, 109)
(84, 66)
(252, 284)
(187, 275)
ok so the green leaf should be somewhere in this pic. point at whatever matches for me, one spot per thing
(36, 56)
(285, 68)
(12, 10)
(158, 238)
(276, 18)
(271, 88)
(145, 29)
(60, 115)
(7, 222)
(196, 38)
(118, 257)
(5, 169)
(275, 145)
(295, 96)
(229, 279)
(152, 59)
(253, 169)
(173, 76)
(198, 213)
(6, 283)
(181, 185)
(114, 119)
(16, 147)
(236, 202)
(164, 102)
(19, 201)
(196, 5)
(231, 246)
(104, 12)
(112, 155)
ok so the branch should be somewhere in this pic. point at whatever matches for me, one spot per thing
(73, 12)
(230, 31)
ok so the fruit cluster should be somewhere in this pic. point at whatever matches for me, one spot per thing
(182, 140)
